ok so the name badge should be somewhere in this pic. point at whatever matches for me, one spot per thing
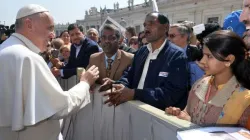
(163, 74)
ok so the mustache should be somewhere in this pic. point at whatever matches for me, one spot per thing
(246, 32)
(76, 39)
(245, 22)
(106, 44)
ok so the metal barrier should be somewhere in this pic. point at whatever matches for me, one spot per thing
(66, 84)
(133, 120)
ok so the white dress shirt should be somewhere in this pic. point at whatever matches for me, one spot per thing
(151, 56)
(78, 48)
(106, 58)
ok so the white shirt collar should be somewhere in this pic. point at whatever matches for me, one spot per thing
(185, 50)
(77, 46)
(149, 46)
(113, 57)
(27, 42)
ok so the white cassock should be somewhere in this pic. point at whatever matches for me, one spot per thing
(31, 99)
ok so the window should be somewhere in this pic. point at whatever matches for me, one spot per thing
(180, 21)
(137, 28)
(213, 20)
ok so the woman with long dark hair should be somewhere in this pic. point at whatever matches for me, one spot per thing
(223, 97)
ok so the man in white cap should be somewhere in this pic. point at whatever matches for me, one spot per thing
(31, 99)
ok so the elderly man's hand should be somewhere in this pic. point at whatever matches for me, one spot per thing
(118, 95)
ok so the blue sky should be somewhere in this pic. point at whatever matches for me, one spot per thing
(63, 11)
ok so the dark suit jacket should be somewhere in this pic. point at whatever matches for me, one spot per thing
(166, 82)
(122, 61)
(88, 48)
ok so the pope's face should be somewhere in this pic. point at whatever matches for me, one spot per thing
(42, 30)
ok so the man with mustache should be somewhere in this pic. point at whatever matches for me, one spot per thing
(81, 49)
(158, 75)
(112, 61)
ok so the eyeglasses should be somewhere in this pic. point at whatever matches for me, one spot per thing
(173, 35)
(110, 38)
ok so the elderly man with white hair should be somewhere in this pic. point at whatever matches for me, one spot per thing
(31, 99)
(93, 34)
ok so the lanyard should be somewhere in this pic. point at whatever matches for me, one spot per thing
(208, 93)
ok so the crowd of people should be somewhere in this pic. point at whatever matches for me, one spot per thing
(199, 76)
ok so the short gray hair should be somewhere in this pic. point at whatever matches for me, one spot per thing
(183, 30)
(112, 27)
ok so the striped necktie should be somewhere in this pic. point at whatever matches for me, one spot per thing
(108, 70)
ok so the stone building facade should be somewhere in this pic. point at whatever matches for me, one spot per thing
(199, 11)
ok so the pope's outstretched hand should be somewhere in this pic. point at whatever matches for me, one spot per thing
(91, 75)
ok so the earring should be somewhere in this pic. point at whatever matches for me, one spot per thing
(228, 64)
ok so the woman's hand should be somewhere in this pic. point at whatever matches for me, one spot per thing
(178, 113)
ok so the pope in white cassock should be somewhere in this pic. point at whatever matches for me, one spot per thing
(31, 99)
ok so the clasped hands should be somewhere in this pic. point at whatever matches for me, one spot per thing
(116, 93)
